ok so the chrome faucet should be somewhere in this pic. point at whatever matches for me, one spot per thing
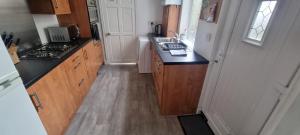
(176, 37)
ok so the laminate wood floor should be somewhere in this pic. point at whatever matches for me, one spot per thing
(122, 102)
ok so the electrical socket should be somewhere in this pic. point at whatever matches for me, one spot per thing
(151, 23)
(151, 26)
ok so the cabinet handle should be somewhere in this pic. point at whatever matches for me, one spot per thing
(38, 104)
(77, 65)
(81, 82)
(55, 4)
(75, 58)
(85, 55)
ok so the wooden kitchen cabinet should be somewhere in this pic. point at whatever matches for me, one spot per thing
(79, 16)
(77, 75)
(171, 15)
(93, 58)
(178, 87)
(99, 54)
(157, 72)
(89, 57)
(57, 7)
(53, 101)
(182, 87)
(60, 92)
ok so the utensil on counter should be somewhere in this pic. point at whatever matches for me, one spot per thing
(9, 43)
(13, 53)
(11, 46)
(17, 41)
(8, 39)
(3, 35)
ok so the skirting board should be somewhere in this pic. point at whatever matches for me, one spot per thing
(215, 125)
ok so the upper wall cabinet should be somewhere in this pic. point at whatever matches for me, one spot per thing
(171, 2)
(170, 20)
(57, 7)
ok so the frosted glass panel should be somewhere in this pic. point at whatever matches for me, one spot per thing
(261, 20)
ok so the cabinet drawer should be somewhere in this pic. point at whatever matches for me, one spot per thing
(75, 58)
(77, 74)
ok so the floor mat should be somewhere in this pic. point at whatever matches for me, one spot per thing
(195, 125)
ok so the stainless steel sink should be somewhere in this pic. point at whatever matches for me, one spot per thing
(164, 40)
(167, 43)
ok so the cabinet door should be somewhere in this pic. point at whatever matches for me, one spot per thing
(57, 81)
(165, 20)
(170, 20)
(153, 60)
(160, 79)
(49, 6)
(61, 6)
(90, 61)
(48, 112)
(157, 72)
(40, 6)
(54, 104)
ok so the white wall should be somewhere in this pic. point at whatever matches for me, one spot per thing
(42, 22)
(147, 11)
(205, 38)
(16, 18)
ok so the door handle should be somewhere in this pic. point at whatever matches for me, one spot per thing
(75, 58)
(38, 104)
(81, 82)
(77, 66)
(85, 55)
(108, 34)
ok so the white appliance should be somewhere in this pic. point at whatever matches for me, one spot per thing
(144, 63)
(171, 2)
(17, 113)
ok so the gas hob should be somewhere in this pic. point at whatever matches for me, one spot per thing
(49, 51)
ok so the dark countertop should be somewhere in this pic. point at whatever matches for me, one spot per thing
(191, 58)
(32, 70)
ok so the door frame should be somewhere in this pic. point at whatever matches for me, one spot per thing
(101, 32)
(106, 60)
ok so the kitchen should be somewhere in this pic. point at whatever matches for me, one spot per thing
(143, 67)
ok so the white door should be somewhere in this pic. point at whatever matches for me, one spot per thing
(118, 19)
(245, 93)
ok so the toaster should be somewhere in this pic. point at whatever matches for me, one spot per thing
(63, 33)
